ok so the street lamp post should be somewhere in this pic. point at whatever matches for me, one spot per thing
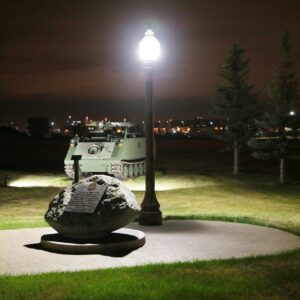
(149, 50)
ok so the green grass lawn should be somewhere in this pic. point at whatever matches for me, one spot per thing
(246, 198)
(273, 277)
(249, 198)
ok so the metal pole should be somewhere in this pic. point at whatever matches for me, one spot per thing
(76, 159)
(6, 177)
(150, 214)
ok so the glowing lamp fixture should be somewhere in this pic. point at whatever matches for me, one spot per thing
(149, 48)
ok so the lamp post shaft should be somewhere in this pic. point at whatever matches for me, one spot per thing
(150, 214)
(150, 180)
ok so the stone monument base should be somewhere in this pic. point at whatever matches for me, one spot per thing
(120, 241)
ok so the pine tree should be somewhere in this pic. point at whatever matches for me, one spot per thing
(278, 129)
(237, 102)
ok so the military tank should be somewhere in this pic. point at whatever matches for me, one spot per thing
(112, 148)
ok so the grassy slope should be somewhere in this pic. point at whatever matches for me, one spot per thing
(273, 277)
(242, 199)
(24, 207)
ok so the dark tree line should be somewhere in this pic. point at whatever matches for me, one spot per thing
(271, 135)
(237, 101)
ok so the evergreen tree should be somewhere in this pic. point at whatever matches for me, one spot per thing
(237, 102)
(278, 129)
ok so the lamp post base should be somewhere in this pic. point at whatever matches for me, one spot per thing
(150, 218)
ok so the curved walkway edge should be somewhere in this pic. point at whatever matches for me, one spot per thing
(174, 241)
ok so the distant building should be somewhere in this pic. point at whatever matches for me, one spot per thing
(73, 127)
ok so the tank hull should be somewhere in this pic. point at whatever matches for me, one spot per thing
(121, 159)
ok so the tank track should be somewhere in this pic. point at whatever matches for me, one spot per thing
(128, 169)
(69, 171)
(122, 171)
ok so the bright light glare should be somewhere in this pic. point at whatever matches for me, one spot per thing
(149, 47)
(39, 181)
(162, 184)
(26, 183)
(292, 113)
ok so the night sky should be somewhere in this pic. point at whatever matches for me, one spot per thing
(79, 57)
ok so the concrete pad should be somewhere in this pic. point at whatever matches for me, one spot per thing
(174, 241)
(123, 241)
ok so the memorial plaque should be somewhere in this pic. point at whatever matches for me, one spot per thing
(86, 198)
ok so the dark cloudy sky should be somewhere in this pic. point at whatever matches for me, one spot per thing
(79, 57)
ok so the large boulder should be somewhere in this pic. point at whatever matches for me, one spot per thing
(92, 208)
